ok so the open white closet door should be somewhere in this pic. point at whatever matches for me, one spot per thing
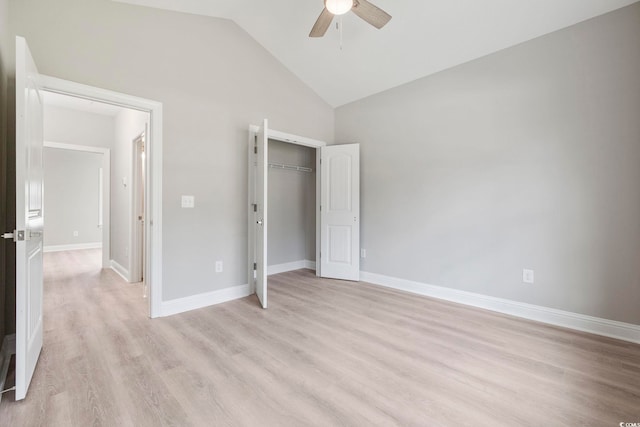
(29, 218)
(258, 168)
(340, 212)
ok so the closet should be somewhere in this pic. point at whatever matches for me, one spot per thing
(291, 205)
(283, 232)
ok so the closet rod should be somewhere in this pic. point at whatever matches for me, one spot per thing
(290, 167)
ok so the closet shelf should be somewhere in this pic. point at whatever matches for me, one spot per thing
(290, 167)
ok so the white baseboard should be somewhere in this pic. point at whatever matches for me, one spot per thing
(580, 322)
(194, 302)
(290, 266)
(8, 349)
(122, 272)
(73, 247)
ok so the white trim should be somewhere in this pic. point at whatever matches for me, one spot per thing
(72, 247)
(580, 322)
(8, 349)
(153, 224)
(122, 272)
(294, 139)
(193, 302)
(290, 266)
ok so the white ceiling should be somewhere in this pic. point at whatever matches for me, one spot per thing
(79, 104)
(424, 36)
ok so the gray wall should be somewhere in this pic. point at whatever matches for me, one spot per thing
(213, 80)
(78, 127)
(291, 233)
(72, 197)
(527, 158)
(129, 124)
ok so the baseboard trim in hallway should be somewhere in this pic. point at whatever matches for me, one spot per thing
(72, 247)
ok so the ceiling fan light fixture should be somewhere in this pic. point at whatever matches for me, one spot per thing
(338, 7)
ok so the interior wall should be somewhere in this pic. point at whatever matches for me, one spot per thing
(526, 158)
(291, 205)
(5, 246)
(78, 127)
(72, 197)
(214, 80)
(129, 124)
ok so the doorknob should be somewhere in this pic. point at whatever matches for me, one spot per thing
(259, 222)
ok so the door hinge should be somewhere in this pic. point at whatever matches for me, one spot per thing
(255, 207)
(255, 150)
(255, 266)
(320, 208)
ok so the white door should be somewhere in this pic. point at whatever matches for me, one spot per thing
(29, 217)
(340, 212)
(258, 167)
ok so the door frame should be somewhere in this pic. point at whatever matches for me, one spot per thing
(106, 190)
(296, 140)
(153, 225)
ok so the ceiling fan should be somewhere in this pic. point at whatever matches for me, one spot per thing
(365, 10)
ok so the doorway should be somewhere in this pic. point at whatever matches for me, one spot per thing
(141, 254)
(78, 179)
(337, 206)
(292, 207)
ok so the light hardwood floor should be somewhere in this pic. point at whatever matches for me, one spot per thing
(325, 353)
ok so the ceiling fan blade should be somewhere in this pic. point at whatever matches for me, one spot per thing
(322, 24)
(370, 13)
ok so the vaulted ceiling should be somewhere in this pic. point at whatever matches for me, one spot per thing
(424, 36)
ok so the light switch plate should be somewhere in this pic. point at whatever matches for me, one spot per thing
(188, 202)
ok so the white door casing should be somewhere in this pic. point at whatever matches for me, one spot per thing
(340, 212)
(29, 218)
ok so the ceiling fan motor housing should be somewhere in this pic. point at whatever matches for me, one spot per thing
(338, 7)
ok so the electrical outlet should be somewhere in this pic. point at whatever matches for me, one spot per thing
(363, 253)
(218, 266)
(527, 276)
(76, 233)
